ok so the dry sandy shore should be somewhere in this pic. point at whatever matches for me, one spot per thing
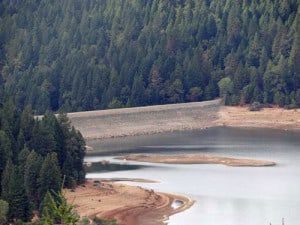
(136, 206)
(127, 204)
(103, 124)
(195, 159)
(276, 118)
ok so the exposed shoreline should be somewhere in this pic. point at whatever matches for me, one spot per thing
(103, 124)
(195, 159)
(129, 205)
(160, 119)
(274, 118)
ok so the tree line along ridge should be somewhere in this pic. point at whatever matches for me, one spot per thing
(77, 55)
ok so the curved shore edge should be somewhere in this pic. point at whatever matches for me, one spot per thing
(129, 205)
(195, 159)
(134, 205)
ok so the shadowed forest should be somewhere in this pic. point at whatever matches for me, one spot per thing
(77, 55)
(36, 155)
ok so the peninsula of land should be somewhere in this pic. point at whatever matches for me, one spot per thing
(128, 205)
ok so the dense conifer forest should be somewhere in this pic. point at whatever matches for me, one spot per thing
(77, 55)
(36, 155)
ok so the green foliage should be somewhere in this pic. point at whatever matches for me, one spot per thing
(7, 181)
(5, 151)
(56, 210)
(31, 177)
(114, 104)
(84, 221)
(50, 175)
(255, 106)
(99, 221)
(226, 89)
(87, 55)
(195, 94)
(4, 207)
(50, 148)
(19, 205)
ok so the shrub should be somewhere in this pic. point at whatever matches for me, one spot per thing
(255, 106)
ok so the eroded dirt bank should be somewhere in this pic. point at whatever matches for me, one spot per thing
(186, 116)
(129, 205)
(145, 120)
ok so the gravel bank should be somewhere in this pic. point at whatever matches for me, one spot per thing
(146, 120)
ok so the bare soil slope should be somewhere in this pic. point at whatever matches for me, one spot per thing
(277, 118)
(145, 120)
(186, 116)
(127, 204)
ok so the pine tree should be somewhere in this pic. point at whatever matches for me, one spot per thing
(6, 181)
(4, 208)
(5, 151)
(19, 205)
(50, 175)
(226, 89)
(42, 140)
(56, 210)
(13, 193)
(138, 92)
(76, 151)
(31, 176)
(27, 123)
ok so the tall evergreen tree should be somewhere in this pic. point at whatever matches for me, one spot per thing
(50, 175)
(7, 181)
(4, 208)
(31, 177)
(5, 151)
(19, 205)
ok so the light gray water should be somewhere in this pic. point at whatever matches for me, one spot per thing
(224, 195)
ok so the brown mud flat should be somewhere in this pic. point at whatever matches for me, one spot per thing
(275, 118)
(129, 205)
(195, 159)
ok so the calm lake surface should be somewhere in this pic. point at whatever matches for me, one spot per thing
(224, 195)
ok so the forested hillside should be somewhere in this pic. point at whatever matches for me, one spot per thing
(81, 55)
(35, 157)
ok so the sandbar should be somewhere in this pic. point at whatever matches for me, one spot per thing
(195, 159)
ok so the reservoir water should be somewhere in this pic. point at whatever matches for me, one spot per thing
(224, 195)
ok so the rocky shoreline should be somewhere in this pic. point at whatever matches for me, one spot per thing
(137, 121)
